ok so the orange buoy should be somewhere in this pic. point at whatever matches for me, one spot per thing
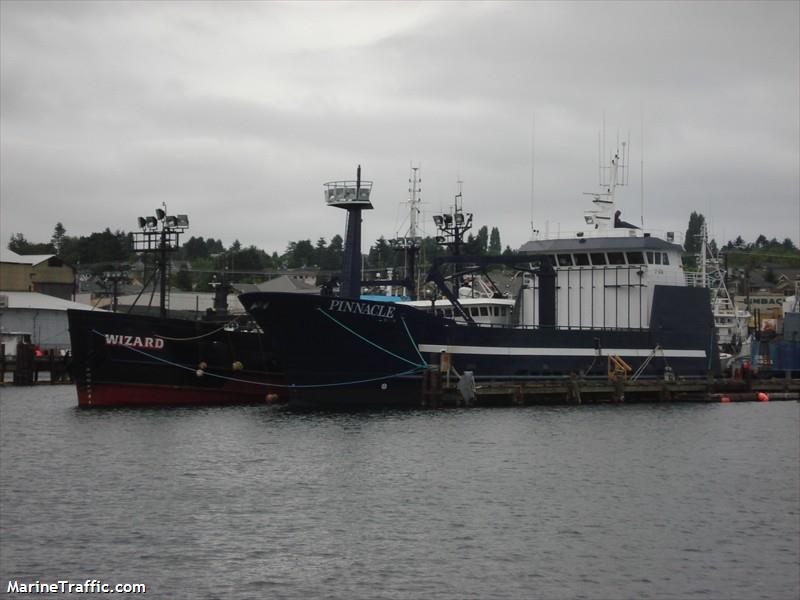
(762, 397)
(272, 397)
(725, 399)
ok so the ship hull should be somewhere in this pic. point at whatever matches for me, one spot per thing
(120, 360)
(340, 353)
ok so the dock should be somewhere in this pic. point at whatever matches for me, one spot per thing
(440, 390)
(26, 367)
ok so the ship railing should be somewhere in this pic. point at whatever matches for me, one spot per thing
(461, 322)
(621, 232)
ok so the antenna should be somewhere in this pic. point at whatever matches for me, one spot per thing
(641, 170)
(611, 175)
(534, 231)
(416, 187)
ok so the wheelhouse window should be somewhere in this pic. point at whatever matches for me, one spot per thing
(666, 258)
(582, 259)
(564, 260)
(658, 258)
(616, 258)
(484, 311)
(650, 258)
(635, 258)
(598, 258)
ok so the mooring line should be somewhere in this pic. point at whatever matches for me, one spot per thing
(413, 343)
(371, 343)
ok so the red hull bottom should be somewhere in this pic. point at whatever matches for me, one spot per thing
(128, 395)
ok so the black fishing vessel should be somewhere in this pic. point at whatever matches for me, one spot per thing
(610, 292)
(125, 360)
(121, 360)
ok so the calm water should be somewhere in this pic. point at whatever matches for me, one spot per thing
(677, 501)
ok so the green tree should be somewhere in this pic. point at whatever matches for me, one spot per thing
(495, 247)
(693, 238)
(381, 255)
(250, 259)
(320, 250)
(214, 246)
(300, 254)
(57, 240)
(332, 260)
(103, 247)
(483, 240)
(20, 245)
(183, 280)
(195, 248)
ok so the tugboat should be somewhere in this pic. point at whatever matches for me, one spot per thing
(611, 291)
(127, 360)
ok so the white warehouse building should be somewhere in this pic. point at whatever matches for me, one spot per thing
(41, 316)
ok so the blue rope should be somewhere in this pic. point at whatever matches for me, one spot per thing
(371, 343)
(413, 343)
(261, 383)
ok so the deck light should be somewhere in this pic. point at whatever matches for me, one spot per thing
(183, 220)
(438, 220)
(151, 222)
(160, 214)
(172, 221)
(142, 222)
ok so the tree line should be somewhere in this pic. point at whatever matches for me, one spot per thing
(106, 250)
(99, 250)
(738, 252)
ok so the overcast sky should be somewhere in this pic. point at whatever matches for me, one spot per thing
(238, 113)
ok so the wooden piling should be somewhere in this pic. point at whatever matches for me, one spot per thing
(25, 365)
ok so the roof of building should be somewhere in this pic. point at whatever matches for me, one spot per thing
(285, 283)
(37, 301)
(9, 256)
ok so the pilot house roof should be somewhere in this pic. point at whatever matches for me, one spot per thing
(593, 244)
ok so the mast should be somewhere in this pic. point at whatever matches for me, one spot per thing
(413, 240)
(160, 235)
(611, 176)
(352, 196)
(452, 226)
(703, 243)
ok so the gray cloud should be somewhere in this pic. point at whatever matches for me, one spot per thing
(237, 113)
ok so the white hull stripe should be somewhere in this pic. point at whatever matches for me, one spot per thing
(510, 351)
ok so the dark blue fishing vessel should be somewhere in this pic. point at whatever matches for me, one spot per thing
(610, 292)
